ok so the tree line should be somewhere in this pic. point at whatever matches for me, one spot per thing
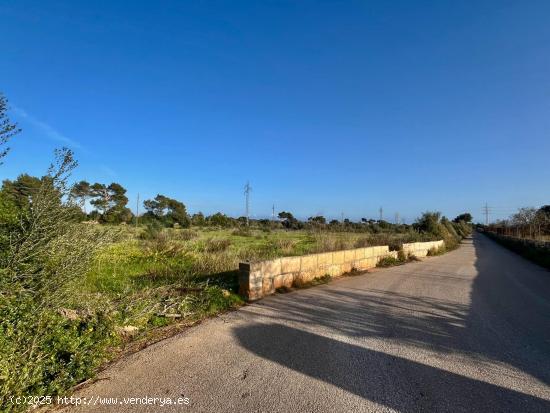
(527, 222)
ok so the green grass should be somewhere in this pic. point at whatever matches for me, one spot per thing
(141, 280)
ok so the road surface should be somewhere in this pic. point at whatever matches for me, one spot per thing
(466, 331)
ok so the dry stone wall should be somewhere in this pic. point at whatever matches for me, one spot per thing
(258, 279)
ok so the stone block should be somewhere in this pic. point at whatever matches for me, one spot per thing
(290, 264)
(370, 252)
(250, 266)
(271, 268)
(308, 262)
(349, 256)
(324, 259)
(338, 257)
(359, 253)
(267, 287)
(334, 270)
(361, 265)
(346, 267)
(254, 294)
(278, 281)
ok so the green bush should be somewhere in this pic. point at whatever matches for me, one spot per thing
(388, 261)
(46, 257)
(43, 352)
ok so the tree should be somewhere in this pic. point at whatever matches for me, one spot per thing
(21, 190)
(81, 191)
(198, 219)
(288, 220)
(7, 128)
(317, 220)
(525, 220)
(429, 223)
(111, 201)
(543, 217)
(465, 217)
(167, 210)
(219, 219)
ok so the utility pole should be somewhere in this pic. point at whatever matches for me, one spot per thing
(247, 189)
(381, 213)
(486, 211)
(342, 217)
(273, 213)
(137, 210)
(397, 218)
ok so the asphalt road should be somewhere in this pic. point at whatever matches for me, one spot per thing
(466, 331)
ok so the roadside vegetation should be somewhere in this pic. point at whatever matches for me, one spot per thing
(527, 232)
(81, 276)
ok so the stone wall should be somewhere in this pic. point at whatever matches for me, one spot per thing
(420, 249)
(258, 279)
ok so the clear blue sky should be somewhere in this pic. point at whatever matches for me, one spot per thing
(326, 107)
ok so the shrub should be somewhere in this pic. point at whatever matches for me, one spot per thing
(185, 234)
(285, 245)
(42, 352)
(388, 261)
(152, 230)
(216, 244)
(242, 232)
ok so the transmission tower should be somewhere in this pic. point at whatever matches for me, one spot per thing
(486, 212)
(247, 190)
(381, 211)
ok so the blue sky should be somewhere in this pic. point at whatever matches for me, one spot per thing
(326, 107)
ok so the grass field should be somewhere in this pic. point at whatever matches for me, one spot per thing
(153, 279)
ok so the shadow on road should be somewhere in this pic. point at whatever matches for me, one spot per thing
(361, 371)
(506, 322)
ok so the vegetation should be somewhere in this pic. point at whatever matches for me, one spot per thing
(7, 128)
(536, 251)
(528, 222)
(526, 232)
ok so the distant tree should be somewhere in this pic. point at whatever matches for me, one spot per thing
(525, 221)
(111, 201)
(177, 213)
(219, 219)
(100, 197)
(317, 220)
(7, 128)
(167, 210)
(81, 191)
(466, 217)
(543, 217)
(334, 222)
(198, 219)
(429, 223)
(21, 190)
(288, 220)
(286, 215)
